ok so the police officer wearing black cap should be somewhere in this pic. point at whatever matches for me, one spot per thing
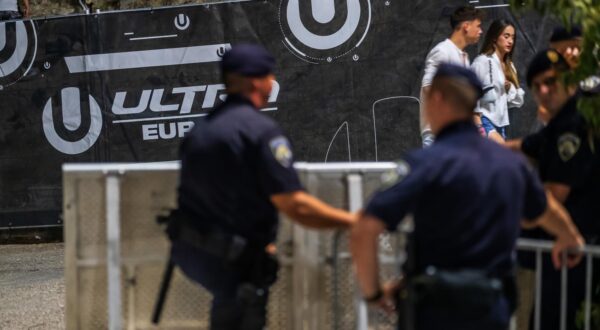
(568, 157)
(236, 174)
(567, 42)
(467, 196)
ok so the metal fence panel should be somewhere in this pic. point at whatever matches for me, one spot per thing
(311, 293)
(316, 287)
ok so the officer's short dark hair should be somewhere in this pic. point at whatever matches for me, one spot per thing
(562, 33)
(460, 94)
(465, 14)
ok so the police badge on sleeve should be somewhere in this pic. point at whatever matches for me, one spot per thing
(391, 177)
(568, 144)
(281, 150)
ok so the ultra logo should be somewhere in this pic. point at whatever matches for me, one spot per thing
(18, 46)
(324, 30)
(79, 134)
(73, 125)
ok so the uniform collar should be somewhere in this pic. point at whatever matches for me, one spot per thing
(230, 102)
(566, 111)
(238, 99)
(457, 127)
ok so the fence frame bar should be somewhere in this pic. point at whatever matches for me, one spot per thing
(113, 251)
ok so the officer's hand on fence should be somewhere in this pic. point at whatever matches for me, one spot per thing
(572, 246)
(386, 297)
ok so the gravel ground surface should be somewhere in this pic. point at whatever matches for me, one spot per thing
(32, 287)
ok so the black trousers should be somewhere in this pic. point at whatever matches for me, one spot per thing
(428, 318)
(236, 305)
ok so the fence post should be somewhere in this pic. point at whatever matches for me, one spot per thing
(588, 291)
(563, 292)
(538, 289)
(113, 250)
(355, 203)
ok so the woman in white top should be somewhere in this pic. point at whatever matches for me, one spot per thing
(495, 69)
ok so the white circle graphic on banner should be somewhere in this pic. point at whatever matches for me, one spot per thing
(18, 46)
(72, 120)
(318, 30)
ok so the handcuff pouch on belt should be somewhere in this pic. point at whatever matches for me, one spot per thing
(259, 267)
(464, 293)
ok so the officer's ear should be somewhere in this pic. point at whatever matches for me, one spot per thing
(236, 84)
(263, 84)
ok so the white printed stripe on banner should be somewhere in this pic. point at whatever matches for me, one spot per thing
(146, 58)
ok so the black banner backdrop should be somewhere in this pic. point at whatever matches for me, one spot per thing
(126, 86)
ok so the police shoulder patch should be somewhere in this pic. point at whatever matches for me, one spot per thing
(281, 150)
(396, 175)
(568, 145)
(552, 56)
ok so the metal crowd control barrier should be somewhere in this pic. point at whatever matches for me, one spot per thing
(540, 247)
(115, 252)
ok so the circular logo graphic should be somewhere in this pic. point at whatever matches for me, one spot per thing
(18, 46)
(80, 128)
(324, 30)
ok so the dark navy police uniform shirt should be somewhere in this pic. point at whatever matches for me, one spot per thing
(231, 163)
(568, 154)
(467, 195)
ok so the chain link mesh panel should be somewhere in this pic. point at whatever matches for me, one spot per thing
(144, 249)
(91, 218)
(340, 287)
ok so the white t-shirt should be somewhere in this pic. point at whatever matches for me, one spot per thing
(444, 52)
(8, 5)
(489, 70)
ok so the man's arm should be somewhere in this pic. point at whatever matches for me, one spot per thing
(514, 144)
(364, 245)
(311, 212)
(26, 9)
(560, 191)
(556, 221)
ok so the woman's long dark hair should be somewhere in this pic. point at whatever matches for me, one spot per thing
(489, 47)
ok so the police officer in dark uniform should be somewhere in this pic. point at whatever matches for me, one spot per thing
(467, 195)
(567, 154)
(236, 174)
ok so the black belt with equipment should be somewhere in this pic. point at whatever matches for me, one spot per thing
(259, 267)
(466, 293)
(213, 240)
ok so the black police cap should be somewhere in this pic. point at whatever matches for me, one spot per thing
(561, 33)
(544, 61)
(248, 60)
(461, 73)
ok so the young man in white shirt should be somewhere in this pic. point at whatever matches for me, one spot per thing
(466, 30)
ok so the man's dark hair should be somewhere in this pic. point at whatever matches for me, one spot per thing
(465, 14)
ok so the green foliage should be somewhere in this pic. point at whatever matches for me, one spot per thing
(587, 14)
(594, 312)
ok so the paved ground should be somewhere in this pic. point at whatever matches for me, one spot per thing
(32, 288)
